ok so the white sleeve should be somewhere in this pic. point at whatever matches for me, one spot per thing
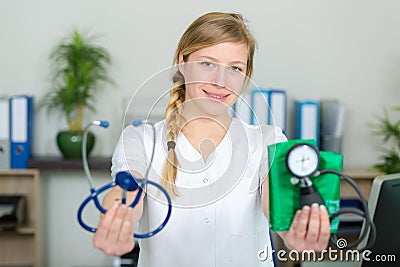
(271, 135)
(129, 153)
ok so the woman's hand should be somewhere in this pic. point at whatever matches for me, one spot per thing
(310, 229)
(114, 235)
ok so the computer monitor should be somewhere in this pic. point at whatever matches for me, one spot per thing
(384, 207)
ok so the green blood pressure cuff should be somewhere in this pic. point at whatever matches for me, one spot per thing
(284, 197)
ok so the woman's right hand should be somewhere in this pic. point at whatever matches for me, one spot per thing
(114, 234)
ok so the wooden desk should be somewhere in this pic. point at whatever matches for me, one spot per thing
(363, 179)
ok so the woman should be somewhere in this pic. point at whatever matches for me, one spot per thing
(213, 166)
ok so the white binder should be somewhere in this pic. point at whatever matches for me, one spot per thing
(242, 108)
(269, 107)
(277, 114)
(260, 106)
(4, 133)
(306, 120)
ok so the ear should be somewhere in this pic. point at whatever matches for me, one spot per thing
(181, 64)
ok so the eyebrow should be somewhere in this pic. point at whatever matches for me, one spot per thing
(232, 62)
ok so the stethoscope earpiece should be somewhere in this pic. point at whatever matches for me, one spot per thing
(103, 124)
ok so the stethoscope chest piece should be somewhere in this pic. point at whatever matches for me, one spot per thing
(126, 181)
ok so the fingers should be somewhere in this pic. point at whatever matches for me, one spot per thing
(102, 229)
(126, 234)
(114, 235)
(296, 235)
(325, 229)
(116, 225)
(125, 242)
(302, 224)
(310, 229)
(313, 225)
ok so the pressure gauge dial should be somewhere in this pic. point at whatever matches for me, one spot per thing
(302, 160)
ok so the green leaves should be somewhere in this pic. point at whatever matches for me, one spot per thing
(79, 67)
(390, 161)
(390, 131)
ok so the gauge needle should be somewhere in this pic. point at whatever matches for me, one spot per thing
(303, 160)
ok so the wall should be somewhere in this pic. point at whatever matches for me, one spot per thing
(63, 242)
(314, 49)
(348, 50)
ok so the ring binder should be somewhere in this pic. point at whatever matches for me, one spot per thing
(306, 120)
(21, 116)
(269, 107)
(4, 133)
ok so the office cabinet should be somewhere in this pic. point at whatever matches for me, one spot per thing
(20, 246)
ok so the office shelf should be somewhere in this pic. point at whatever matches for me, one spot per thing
(57, 163)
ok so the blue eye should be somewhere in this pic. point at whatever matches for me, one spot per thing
(207, 64)
(236, 69)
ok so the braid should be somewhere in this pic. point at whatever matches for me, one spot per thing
(174, 119)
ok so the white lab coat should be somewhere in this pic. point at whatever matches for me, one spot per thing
(217, 219)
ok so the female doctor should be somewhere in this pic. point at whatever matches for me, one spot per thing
(214, 166)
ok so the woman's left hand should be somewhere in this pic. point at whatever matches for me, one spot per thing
(310, 229)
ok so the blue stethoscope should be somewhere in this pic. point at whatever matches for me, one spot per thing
(123, 179)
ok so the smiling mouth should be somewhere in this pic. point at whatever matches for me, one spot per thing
(217, 97)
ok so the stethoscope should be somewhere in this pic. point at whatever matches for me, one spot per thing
(302, 161)
(123, 179)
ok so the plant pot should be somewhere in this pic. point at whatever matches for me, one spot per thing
(70, 143)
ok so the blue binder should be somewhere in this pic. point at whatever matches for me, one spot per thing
(269, 107)
(21, 119)
(4, 133)
(306, 120)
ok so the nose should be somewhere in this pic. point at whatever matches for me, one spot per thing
(220, 76)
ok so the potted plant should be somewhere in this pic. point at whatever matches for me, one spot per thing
(79, 68)
(390, 131)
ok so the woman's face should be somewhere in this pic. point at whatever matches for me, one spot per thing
(214, 77)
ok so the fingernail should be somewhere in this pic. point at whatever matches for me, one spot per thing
(315, 206)
(306, 208)
(322, 207)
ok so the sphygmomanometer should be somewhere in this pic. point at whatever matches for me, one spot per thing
(302, 175)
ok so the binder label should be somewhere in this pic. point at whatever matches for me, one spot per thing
(19, 120)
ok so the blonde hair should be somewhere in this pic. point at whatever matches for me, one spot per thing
(208, 30)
